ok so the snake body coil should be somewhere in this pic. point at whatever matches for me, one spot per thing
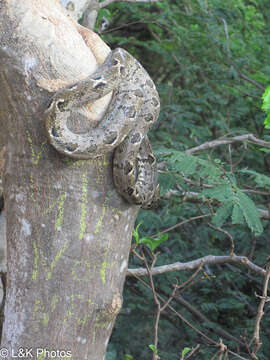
(132, 111)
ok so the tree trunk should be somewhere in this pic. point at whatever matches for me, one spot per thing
(68, 231)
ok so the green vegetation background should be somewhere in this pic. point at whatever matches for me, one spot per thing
(210, 62)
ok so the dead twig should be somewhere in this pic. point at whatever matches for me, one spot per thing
(207, 338)
(108, 2)
(242, 138)
(192, 352)
(256, 340)
(227, 234)
(188, 281)
(181, 224)
(160, 308)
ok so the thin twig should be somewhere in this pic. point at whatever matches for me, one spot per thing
(192, 352)
(181, 224)
(160, 308)
(175, 288)
(108, 2)
(227, 234)
(182, 286)
(211, 144)
(241, 158)
(211, 341)
(264, 298)
(157, 302)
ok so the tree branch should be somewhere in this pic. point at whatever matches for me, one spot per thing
(178, 314)
(191, 265)
(211, 144)
(108, 2)
(264, 299)
(182, 223)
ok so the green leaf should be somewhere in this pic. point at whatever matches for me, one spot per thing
(184, 352)
(135, 233)
(153, 348)
(166, 181)
(267, 121)
(128, 357)
(237, 215)
(184, 162)
(250, 213)
(153, 243)
(266, 107)
(222, 213)
(221, 193)
(266, 150)
(266, 100)
(260, 179)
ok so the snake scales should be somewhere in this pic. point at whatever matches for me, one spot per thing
(132, 111)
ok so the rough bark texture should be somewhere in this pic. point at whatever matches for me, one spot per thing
(68, 231)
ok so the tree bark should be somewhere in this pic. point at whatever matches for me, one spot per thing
(86, 9)
(68, 231)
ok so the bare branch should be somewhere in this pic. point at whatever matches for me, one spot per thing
(211, 144)
(264, 299)
(160, 308)
(227, 234)
(182, 223)
(178, 314)
(211, 341)
(253, 82)
(191, 353)
(191, 265)
(157, 302)
(188, 281)
(108, 2)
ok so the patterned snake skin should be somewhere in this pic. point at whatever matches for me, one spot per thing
(132, 111)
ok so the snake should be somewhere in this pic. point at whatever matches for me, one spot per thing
(132, 111)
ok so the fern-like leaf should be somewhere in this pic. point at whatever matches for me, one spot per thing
(250, 213)
(237, 215)
(221, 193)
(222, 213)
(260, 179)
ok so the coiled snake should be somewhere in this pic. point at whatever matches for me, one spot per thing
(132, 111)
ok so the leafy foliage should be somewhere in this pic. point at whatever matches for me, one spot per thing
(266, 107)
(154, 349)
(184, 352)
(209, 60)
(233, 201)
(150, 242)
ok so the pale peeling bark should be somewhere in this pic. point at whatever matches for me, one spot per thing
(68, 231)
(87, 10)
(76, 8)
